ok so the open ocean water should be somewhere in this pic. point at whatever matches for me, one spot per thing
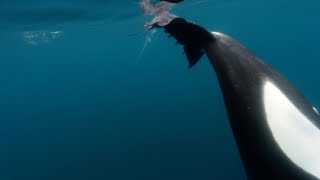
(81, 97)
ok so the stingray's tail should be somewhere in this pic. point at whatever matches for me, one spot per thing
(193, 37)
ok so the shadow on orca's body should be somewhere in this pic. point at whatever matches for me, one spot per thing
(277, 130)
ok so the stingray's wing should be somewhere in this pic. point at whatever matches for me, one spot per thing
(162, 19)
(147, 7)
(159, 8)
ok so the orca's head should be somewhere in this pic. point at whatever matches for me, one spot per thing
(193, 37)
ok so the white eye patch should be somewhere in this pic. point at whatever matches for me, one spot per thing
(295, 134)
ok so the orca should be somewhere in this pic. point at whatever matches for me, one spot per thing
(276, 129)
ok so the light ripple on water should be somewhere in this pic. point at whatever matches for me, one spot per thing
(40, 37)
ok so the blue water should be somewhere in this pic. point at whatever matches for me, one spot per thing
(80, 99)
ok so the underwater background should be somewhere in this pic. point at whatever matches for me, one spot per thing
(86, 93)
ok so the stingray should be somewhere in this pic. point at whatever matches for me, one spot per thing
(160, 10)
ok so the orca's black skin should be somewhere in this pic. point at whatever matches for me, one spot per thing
(173, 1)
(191, 36)
(242, 76)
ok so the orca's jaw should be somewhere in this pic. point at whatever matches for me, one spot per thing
(296, 135)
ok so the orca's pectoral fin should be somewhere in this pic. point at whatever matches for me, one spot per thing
(194, 54)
